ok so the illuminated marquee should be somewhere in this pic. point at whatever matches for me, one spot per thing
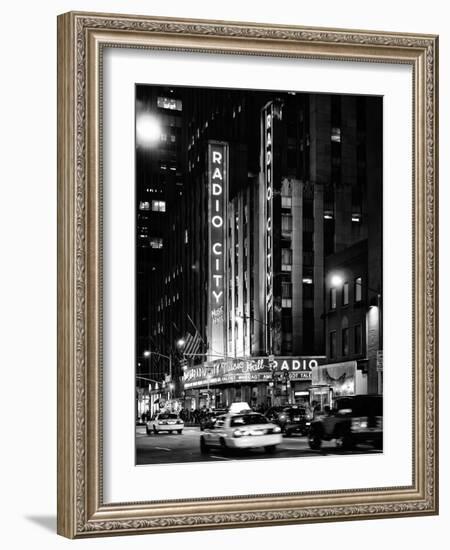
(217, 197)
(268, 180)
(255, 369)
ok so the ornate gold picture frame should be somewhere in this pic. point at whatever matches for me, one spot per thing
(82, 38)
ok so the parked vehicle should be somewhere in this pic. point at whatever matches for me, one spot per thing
(291, 419)
(354, 419)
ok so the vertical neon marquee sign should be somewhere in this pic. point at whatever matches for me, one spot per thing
(268, 177)
(217, 224)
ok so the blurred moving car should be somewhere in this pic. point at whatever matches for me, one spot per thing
(165, 422)
(354, 419)
(246, 430)
(291, 419)
(208, 418)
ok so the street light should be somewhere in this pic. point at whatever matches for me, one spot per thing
(336, 280)
(148, 129)
(181, 342)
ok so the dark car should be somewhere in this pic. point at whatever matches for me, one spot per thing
(290, 418)
(208, 418)
(353, 419)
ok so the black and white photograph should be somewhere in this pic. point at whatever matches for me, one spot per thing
(259, 274)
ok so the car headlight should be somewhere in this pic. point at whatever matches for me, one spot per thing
(277, 430)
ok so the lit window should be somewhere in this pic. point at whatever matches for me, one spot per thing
(170, 103)
(307, 281)
(144, 205)
(286, 202)
(286, 294)
(345, 294)
(286, 223)
(156, 242)
(333, 294)
(163, 137)
(286, 259)
(159, 206)
(186, 236)
(173, 138)
(328, 215)
(356, 218)
(358, 289)
(336, 135)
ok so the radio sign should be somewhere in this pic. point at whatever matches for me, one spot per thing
(217, 201)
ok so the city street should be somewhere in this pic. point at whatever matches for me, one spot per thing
(166, 448)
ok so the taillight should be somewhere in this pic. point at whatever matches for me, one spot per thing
(237, 433)
(276, 430)
(359, 423)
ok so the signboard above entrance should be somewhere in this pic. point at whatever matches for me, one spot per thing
(253, 369)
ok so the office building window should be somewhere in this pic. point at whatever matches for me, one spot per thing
(144, 205)
(286, 202)
(286, 294)
(159, 206)
(332, 344)
(287, 342)
(286, 289)
(170, 103)
(358, 289)
(333, 294)
(286, 324)
(286, 259)
(336, 135)
(358, 339)
(286, 224)
(156, 242)
(345, 341)
(345, 294)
